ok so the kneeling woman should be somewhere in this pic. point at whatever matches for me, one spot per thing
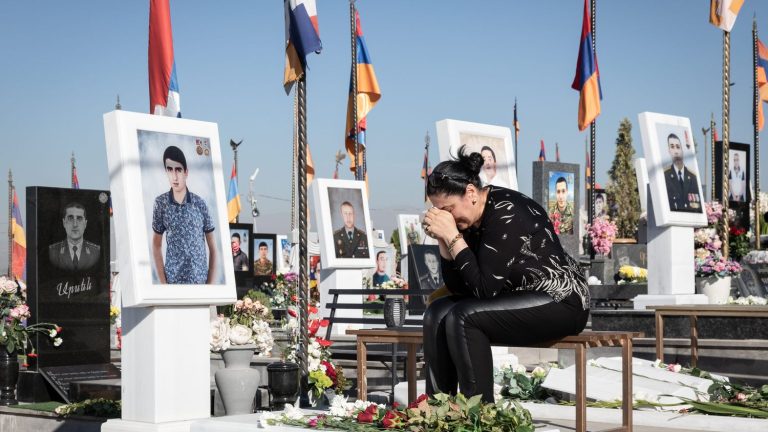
(510, 279)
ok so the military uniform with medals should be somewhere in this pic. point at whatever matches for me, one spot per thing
(350, 246)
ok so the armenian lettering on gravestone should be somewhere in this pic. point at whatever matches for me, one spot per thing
(556, 187)
(68, 273)
(424, 274)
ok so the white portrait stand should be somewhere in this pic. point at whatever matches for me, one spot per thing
(165, 369)
(670, 266)
(340, 279)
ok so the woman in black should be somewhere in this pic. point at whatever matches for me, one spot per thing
(510, 279)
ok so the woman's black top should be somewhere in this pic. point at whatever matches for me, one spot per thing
(514, 248)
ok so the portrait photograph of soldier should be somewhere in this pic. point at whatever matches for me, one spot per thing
(424, 272)
(410, 231)
(74, 253)
(680, 170)
(177, 177)
(738, 178)
(240, 240)
(601, 203)
(560, 201)
(350, 233)
(264, 254)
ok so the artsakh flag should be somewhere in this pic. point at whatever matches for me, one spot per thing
(722, 13)
(542, 152)
(233, 197)
(762, 81)
(368, 94)
(19, 242)
(587, 79)
(164, 96)
(302, 36)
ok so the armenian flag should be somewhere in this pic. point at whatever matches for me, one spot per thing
(587, 79)
(302, 36)
(762, 81)
(722, 13)
(542, 152)
(19, 242)
(164, 96)
(368, 94)
(233, 197)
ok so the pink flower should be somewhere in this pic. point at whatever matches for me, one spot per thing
(741, 397)
(20, 312)
(674, 367)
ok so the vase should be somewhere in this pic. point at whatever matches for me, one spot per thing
(283, 384)
(717, 289)
(278, 313)
(394, 312)
(322, 402)
(237, 382)
(9, 376)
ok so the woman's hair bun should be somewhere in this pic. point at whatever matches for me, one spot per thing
(472, 161)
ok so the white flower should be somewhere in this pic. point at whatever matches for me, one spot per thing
(657, 363)
(593, 280)
(240, 334)
(539, 372)
(7, 286)
(219, 334)
(57, 341)
(52, 333)
(520, 369)
(263, 337)
(339, 407)
(592, 362)
(292, 412)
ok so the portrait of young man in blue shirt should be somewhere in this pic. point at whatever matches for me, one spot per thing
(188, 227)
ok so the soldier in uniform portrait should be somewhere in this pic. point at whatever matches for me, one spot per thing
(432, 279)
(682, 184)
(75, 253)
(349, 241)
(262, 266)
(561, 207)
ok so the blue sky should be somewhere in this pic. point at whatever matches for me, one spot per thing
(65, 62)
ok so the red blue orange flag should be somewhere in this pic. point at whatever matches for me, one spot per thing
(587, 79)
(19, 242)
(302, 36)
(368, 94)
(542, 152)
(762, 81)
(233, 197)
(164, 96)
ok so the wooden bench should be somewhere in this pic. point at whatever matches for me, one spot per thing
(579, 343)
(695, 311)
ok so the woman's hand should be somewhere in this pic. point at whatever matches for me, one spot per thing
(440, 224)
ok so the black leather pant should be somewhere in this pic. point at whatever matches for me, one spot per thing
(459, 332)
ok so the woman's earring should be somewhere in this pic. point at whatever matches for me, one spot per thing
(474, 202)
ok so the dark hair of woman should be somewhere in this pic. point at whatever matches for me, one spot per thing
(451, 177)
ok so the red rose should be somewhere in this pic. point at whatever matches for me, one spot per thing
(324, 323)
(372, 297)
(364, 417)
(323, 342)
(312, 309)
(395, 405)
(33, 355)
(372, 409)
(292, 313)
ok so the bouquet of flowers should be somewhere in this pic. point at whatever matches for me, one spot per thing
(709, 260)
(602, 233)
(282, 287)
(749, 300)
(517, 383)
(14, 312)
(323, 373)
(738, 242)
(114, 312)
(245, 323)
(555, 218)
(632, 274)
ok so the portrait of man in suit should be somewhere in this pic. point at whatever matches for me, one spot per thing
(74, 253)
(682, 184)
(350, 241)
(430, 276)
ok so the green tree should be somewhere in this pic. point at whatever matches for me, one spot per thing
(622, 190)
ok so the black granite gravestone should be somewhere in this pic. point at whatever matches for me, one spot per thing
(629, 254)
(753, 279)
(546, 176)
(423, 273)
(68, 273)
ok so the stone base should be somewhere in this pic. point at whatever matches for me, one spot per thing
(116, 425)
(641, 301)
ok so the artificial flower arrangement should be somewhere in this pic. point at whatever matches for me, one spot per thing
(749, 300)
(14, 312)
(246, 322)
(738, 242)
(709, 260)
(632, 274)
(602, 233)
(440, 412)
(280, 290)
(114, 312)
(323, 373)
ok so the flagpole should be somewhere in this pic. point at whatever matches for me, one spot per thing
(706, 174)
(756, 120)
(711, 167)
(726, 134)
(592, 127)
(10, 223)
(234, 146)
(301, 126)
(353, 89)
(426, 168)
(514, 127)
(72, 171)
(295, 162)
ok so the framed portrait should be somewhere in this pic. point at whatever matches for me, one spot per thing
(424, 273)
(410, 230)
(385, 265)
(264, 256)
(284, 247)
(344, 223)
(673, 170)
(602, 207)
(739, 177)
(494, 143)
(561, 206)
(68, 244)
(241, 246)
(170, 214)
